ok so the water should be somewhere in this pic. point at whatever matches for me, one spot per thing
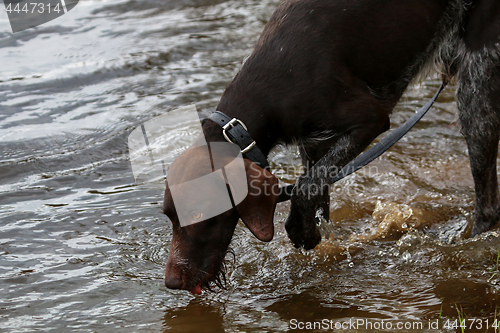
(82, 247)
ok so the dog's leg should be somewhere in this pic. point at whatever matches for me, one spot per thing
(310, 155)
(363, 119)
(478, 98)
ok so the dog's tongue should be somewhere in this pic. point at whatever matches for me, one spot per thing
(196, 290)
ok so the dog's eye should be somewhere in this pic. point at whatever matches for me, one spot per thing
(196, 215)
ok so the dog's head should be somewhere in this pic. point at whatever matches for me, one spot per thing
(198, 249)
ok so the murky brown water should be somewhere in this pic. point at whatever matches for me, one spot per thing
(82, 247)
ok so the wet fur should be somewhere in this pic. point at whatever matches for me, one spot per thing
(297, 88)
(476, 72)
(462, 46)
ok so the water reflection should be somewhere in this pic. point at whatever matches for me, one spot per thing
(197, 316)
(82, 247)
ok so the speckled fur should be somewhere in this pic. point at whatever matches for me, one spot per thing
(477, 73)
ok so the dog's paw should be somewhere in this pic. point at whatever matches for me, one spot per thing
(302, 225)
(481, 226)
(306, 238)
(484, 220)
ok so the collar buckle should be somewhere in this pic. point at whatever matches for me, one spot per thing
(233, 122)
(233, 133)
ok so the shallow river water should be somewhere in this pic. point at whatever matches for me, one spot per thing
(83, 247)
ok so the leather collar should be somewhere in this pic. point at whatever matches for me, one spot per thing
(235, 131)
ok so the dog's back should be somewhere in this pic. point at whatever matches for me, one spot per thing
(326, 74)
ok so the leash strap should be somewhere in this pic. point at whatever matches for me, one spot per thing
(375, 151)
(235, 131)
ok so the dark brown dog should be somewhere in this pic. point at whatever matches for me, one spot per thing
(326, 74)
(197, 251)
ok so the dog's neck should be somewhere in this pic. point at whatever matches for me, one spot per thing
(265, 131)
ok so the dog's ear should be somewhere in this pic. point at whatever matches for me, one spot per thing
(257, 209)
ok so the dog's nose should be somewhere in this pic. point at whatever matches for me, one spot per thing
(173, 282)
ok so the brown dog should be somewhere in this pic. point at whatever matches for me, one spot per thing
(327, 74)
(205, 243)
